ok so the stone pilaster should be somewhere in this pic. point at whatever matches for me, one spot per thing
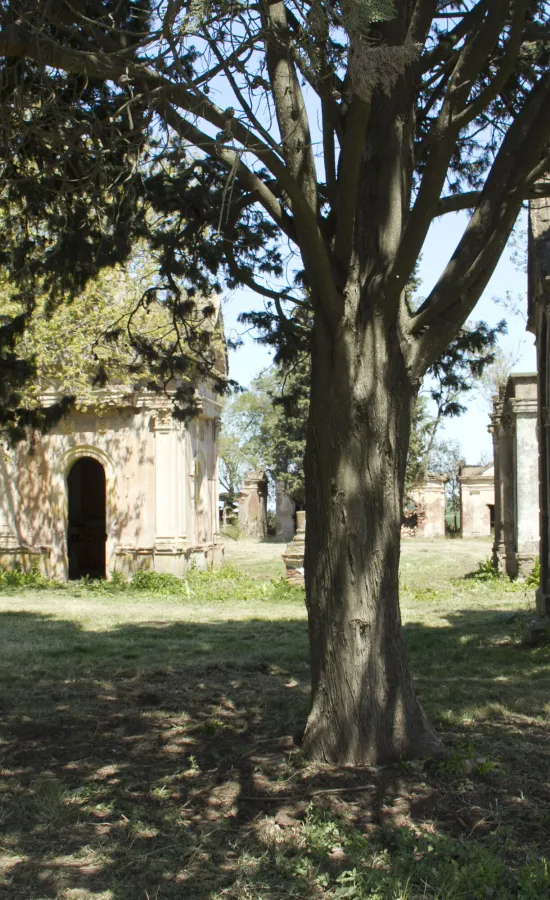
(527, 483)
(285, 511)
(166, 495)
(539, 324)
(507, 556)
(294, 556)
(498, 543)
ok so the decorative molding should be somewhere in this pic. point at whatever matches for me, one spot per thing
(163, 420)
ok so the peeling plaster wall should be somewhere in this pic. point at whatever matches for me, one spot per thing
(150, 464)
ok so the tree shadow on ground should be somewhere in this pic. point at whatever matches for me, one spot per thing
(157, 760)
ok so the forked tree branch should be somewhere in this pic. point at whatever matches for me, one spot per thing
(520, 161)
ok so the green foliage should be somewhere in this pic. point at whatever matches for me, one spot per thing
(487, 571)
(533, 578)
(409, 864)
(107, 339)
(158, 583)
(223, 585)
(265, 427)
(17, 579)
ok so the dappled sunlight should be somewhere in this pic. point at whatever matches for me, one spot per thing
(157, 754)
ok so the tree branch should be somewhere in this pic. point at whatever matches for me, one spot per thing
(519, 162)
(233, 162)
(349, 168)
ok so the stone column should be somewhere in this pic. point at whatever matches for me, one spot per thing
(504, 549)
(181, 485)
(527, 483)
(432, 497)
(498, 539)
(285, 510)
(538, 322)
(507, 474)
(294, 556)
(253, 505)
(166, 493)
(543, 592)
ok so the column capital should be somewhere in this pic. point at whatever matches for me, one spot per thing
(162, 419)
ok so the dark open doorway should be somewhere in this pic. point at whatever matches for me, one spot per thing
(492, 517)
(87, 519)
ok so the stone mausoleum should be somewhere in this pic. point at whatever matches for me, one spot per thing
(477, 500)
(119, 487)
(424, 513)
(516, 458)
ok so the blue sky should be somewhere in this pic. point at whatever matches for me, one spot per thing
(470, 430)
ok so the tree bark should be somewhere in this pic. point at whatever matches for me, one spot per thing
(364, 707)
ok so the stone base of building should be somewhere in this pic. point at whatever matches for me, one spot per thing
(543, 603)
(515, 564)
(537, 631)
(26, 559)
(125, 561)
(525, 563)
(129, 560)
(294, 569)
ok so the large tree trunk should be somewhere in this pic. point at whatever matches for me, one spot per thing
(364, 707)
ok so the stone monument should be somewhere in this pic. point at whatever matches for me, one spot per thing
(285, 512)
(253, 505)
(516, 469)
(477, 500)
(116, 487)
(294, 556)
(425, 514)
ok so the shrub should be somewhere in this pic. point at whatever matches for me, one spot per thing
(19, 580)
(533, 578)
(487, 571)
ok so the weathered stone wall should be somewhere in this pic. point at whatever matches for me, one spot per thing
(427, 519)
(514, 427)
(477, 499)
(539, 324)
(253, 506)
(294, 556)
(161, 485)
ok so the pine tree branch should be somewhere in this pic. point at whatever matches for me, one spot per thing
(289, 102)
(233, 162)
(506, 67)
(443, 134)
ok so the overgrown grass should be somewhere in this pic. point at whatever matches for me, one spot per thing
(147, 746)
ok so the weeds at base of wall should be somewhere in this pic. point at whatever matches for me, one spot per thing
(17, 579)
(487, 571)
(222, 585)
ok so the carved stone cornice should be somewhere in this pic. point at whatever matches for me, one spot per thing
(524, 408)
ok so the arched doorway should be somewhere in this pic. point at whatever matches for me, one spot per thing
(86, 533)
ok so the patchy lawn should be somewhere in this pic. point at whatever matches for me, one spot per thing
(148, 747)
